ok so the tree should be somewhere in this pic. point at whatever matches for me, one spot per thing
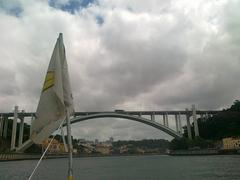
(177, 144)
(224, 124)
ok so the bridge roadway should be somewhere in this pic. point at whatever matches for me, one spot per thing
(137, 113)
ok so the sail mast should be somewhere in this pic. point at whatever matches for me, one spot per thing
(70, 149)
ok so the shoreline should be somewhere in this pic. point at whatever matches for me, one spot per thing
(204, 152)
(21, 157)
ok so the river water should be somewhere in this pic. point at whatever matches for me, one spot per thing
(155, 167)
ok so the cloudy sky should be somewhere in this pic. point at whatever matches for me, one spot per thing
(132, 55)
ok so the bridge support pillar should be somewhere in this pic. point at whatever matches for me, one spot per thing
(179, 123)
(5, 128)
(32, 119)
(166, 119)
(196, 131)
(153, 117)
(14, 128)
(1, 125)
(206, 116)
(176, 121)
(189, 131)
(20, 137)
(202, 118)
(140, 114)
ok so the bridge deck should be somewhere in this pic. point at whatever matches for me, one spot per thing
(199, 112)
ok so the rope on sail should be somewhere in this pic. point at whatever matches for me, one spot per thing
(40, 160)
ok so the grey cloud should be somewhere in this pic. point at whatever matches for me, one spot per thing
(146, 55)
(11, 7)
(230, 21)
(136, 64)
(8, 82)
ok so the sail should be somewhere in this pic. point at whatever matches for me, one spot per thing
(56, 97)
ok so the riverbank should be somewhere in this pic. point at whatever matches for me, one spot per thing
(19, 157)
(204, 152)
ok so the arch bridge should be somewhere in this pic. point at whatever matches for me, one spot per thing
(152, 123)
(146, 117)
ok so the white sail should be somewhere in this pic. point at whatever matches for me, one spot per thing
(56, 97)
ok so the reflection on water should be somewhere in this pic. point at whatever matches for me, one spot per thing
(129, 168)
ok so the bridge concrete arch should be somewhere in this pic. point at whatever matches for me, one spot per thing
(129, 117)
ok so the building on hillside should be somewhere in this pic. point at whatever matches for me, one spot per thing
(81, 141)
(96, 141)
(103, 149)
(140, 151)
(87, 148)
(231, 143)
(123, 149)
(55, 147)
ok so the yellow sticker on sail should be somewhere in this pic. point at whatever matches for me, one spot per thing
(49, 80)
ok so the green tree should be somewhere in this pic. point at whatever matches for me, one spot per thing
(224, 124)
(177, 144)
